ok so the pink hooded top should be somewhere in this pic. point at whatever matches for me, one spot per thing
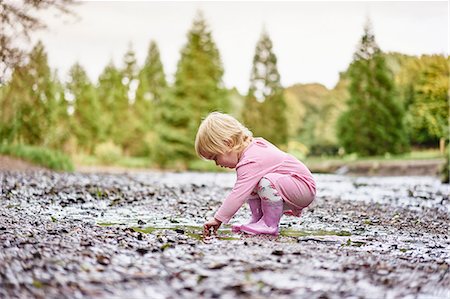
(259, 159)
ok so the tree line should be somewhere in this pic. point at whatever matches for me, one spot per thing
(383, 103)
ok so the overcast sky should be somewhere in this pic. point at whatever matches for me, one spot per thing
(313, 41)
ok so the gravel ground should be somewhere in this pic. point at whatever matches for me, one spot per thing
(139, 236)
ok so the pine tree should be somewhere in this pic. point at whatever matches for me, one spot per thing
(198, 90)
(374, 121)
(127, 127)
(265, 106)
(31, 105)
(85, 122)
(149, 97)
(110, 93)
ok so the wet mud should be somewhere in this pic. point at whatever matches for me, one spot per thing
(139, 236)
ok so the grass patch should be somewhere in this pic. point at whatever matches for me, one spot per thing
(108, 223)
(48, 158)
(413, 155)
(135, 162)
(209, 166)
(122, 161)
(202, 165)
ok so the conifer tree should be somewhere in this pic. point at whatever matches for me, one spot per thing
(85, 122)
(31, 106)
(374, 121)
(149, 96)
(198, 90)
(110, 93)
(265, 106)
(117, 95)
(127, 126)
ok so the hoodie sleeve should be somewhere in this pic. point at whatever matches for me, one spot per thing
(246, 180)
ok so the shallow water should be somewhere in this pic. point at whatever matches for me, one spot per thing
(140, 236)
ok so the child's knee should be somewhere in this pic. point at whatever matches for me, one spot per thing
(267, 191)
(264, 183)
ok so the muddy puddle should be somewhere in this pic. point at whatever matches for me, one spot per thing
(140, 236)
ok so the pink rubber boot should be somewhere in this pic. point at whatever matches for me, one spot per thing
(268, 224)
(255, 208)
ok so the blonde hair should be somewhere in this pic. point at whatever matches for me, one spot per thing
(219, 133)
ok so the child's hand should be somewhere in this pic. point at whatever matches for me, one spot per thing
(211, 223)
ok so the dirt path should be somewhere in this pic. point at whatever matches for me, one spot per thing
(138, 236)
(10, 163)
(431, 167)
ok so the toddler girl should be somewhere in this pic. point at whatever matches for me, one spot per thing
(270, 180)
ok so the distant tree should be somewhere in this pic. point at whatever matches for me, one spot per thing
(198, 90)
(31, 104)
(127, 127)
(110, 91)
(150, 94)
(265, 106)
(117, 95)
(308, 106)
(18, 20)
(85, 121)
(236, 102)
(428, 109)
(374, 121)
(130, 73)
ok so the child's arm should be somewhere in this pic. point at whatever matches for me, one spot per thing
(247, 178)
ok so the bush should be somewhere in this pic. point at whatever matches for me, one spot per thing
(49, 158)
(324, 150)
(204, 166)
(297, 149)
(108, 152)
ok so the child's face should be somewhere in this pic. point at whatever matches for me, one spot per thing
(229, 159)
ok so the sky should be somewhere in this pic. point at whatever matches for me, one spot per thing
(313, 41)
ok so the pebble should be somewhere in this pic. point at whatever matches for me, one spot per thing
(61, 238)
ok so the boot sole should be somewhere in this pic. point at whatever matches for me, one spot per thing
(252, 232)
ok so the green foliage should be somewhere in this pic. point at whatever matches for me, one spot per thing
(84, 122)
(308, 106)
(374, 121)
(128, 134)
(113, 103)
(31, 105)
(265, 106)
(428, 110)
(423, 83)
(202, 165)
(133, 112)
(198, 90)
(236, 103)
(150, 96)
(108, 152)
(42, 156)
(297, 149)
(124, 120)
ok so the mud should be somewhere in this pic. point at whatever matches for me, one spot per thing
(139, 236)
